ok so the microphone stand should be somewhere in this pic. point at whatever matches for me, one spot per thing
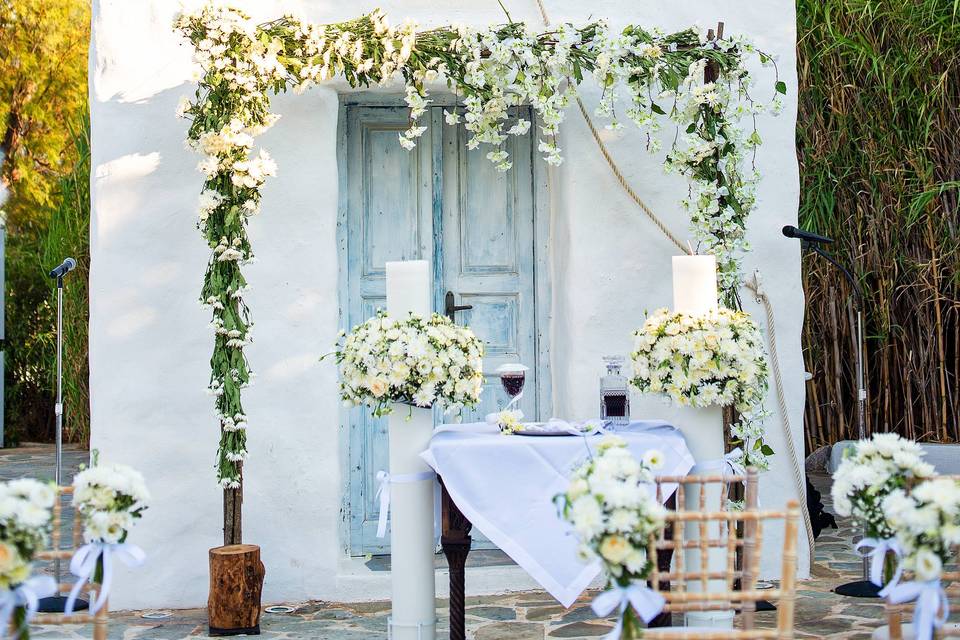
(57, 603)
(859, 588)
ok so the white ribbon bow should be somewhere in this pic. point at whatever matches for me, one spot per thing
(383, 493)
(645, 601)
(26, 595)
(84, 563)
(877, 555)
(931, 609)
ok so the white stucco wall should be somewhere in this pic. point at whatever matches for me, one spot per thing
(149, 343)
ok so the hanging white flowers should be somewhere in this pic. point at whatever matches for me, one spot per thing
(490, 69)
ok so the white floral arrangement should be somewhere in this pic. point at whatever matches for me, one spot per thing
(926, 520)
(25, 512)
(870, 471)
(507, 420)
(417, 361)
(109, 500)
(716, 358)
(611, 506)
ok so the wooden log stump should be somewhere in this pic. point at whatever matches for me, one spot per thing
(236, 582)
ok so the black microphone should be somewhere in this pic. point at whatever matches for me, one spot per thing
(67, 265)
(792, 232)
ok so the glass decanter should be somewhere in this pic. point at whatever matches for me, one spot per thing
(614, 393)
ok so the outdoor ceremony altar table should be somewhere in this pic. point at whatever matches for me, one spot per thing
(505, 485)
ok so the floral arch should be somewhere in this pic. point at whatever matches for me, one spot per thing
(661, 76)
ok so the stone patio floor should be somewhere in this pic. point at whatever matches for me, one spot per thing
(516, 616)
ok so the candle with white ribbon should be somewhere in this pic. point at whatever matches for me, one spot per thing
(411, 503)
(694, 284)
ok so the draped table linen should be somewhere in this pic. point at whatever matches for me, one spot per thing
(505, 486)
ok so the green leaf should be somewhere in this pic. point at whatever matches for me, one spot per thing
(781, 87)
(766, 450)
(692, 127)
(656, 109)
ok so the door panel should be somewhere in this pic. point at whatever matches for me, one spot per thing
(389, 217)
(482, 250)
(488, 258)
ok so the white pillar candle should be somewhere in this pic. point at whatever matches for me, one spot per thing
(694, 284)
(703, 430)
(411, 503)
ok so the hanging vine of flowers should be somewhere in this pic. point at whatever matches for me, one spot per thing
(240, 64)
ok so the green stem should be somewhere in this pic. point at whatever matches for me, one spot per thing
(20, 623)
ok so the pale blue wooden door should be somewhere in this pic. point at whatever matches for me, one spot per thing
(442, 203)
(488, 259)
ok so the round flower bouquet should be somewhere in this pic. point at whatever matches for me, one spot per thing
(25, 511)
(109, 498)
(701, 360)
(417, 361)
(869, 472)
(926, 521)
(716, 358)
(613, 513)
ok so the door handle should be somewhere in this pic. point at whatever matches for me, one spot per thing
(450, 307)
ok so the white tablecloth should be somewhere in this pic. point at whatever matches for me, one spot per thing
(505, 485)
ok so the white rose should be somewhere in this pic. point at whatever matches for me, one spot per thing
(928, 565)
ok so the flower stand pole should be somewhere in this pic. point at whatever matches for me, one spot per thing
(703, 431)
(412, 487)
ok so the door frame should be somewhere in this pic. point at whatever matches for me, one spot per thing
(542, 271)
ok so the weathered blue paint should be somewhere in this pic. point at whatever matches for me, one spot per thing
(447, 204)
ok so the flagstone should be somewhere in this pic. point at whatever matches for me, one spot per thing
(580, 630)
(493, 613)
(510, 631)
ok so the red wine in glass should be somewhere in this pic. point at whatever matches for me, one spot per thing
(512, 377)
(513, 383)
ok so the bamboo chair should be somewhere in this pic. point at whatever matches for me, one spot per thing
(751, 542)
(101, 617)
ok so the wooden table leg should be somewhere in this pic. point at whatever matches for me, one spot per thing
(455, 540)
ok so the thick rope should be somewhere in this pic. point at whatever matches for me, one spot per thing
(755, 287)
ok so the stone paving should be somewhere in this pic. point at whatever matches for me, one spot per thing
(517, 616)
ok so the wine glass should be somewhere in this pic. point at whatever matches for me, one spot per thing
(512, 378)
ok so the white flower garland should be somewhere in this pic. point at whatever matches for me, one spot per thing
(492, 69)
(703, 360)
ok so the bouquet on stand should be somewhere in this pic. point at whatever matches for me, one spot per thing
(25, 513)
(612, 509)
(926, 522)
(716, 358)
(417, 361)
(109, 499)
(870, 472)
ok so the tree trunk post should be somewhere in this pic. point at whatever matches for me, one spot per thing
(236, 583)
